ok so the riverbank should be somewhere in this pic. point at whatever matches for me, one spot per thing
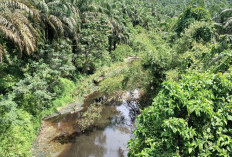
(102, 81)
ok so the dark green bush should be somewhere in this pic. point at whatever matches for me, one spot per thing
(203, 33)
(196, 33)
(189, 118)
(17, 139)
(92, 49)
(190, 15)
(121, 52)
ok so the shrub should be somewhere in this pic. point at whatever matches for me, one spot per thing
(189, 16)
(190, 118)
(110, 85)
(17, 139)
(158, 59)
(67, 88)
(92, 49)
(199, 32)
(34, 92)
(121, 52)
(202, 33)
(7, 112)
(58, 56)
(220, 62)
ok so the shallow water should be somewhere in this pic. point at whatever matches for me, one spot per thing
(110, 137)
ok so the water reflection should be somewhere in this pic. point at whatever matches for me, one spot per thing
(110, 138)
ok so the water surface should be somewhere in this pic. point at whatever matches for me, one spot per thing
(110, 136)
(61, 136)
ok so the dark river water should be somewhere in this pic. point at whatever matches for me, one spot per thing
(110, 136)
(61, 136)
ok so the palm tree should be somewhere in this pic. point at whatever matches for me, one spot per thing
(16, 27)
(116, 23)
(60, 18)
(224, 22)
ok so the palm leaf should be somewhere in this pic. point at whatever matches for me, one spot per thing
(13, 4)
(226, 13)
(57, 23)
(12, 36)
(6, 23)
(43, 7)
(1, 53)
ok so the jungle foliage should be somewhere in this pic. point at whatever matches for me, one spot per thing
(47, 47)
(189, 111)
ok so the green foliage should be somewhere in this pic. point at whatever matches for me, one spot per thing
(223, 22)
(189, 118)
(10, 72)
(7, 110)
(18, 127)
(121, 52)
(67, 88)
(93, 45)
(220, 62)
(7, 81)
(40, 85)
(136, 76)
(200, 32)
(59, 57)
(32, 95)
(110, 85)
(194, 59)
(172, 75)
(204, 57)
(190, 15)
(158, 59)
(38, 65)
(16, 140)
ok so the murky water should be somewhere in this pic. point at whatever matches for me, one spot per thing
(110, 136)
(107, 137)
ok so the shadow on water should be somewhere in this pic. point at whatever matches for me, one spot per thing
(107, 137)
(110, 134)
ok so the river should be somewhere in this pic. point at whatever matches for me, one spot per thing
(107, 137)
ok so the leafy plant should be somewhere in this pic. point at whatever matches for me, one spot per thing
(190, 15)
(189, 118)
(121, 52)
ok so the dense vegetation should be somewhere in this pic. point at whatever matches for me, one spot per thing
(48, 47)
(189, 113)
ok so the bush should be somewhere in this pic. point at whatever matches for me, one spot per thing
(158, 60)
(220, 62)
(58, 56)
(202, 32)
(67, 88)
(190, 15)
(190, 118)
(17, 139)
(7, 112)
(199, 32)
(34, 93)
(92, 49)
(110, 85)
(121, 52)
(10, 74)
